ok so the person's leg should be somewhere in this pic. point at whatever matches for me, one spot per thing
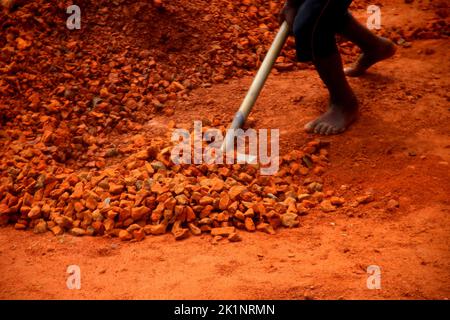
(314, 30)
(343, 105)
(374, 48)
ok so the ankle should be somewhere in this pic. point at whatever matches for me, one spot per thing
(378, 47)
(346, 100)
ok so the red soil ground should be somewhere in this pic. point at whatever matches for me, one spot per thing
(398, 149)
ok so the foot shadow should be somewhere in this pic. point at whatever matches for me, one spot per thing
(376, 77)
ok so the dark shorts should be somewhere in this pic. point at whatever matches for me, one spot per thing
(316, 25)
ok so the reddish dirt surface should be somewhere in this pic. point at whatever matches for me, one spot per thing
(398, 149)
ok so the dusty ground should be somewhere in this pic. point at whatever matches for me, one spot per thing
(327, 256)
(399, 149)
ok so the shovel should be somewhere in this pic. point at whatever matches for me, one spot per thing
(254, 91)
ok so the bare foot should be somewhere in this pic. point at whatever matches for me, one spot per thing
(334, 121)
(367, 59)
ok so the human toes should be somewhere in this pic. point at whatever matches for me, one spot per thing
(310, 126)
(320, 128)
